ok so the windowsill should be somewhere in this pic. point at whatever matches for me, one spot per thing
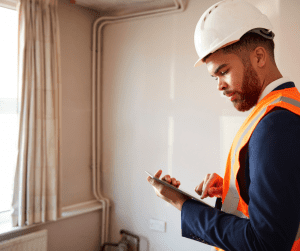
(80, 208)
(67, 212)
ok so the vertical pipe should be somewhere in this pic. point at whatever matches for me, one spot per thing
(96, 101)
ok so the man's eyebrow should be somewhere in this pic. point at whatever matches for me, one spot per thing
(219, 68)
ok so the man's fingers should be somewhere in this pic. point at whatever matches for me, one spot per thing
(208, 184)
(153, 182)
(174, 182)
(157, 174)
(167, 178)
(171, 181)
(158, 187)
(198, 189)
(215, 192)
(212, 186)
(205, 187)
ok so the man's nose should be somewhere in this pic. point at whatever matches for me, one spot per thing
(221, 85)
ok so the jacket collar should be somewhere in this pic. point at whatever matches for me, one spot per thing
(272, 86)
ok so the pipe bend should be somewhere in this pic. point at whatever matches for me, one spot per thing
(96, 81)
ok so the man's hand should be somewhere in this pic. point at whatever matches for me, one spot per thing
(211, 186)
(166, 193)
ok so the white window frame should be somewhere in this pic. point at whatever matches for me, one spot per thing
(5, 222)
(10, 4)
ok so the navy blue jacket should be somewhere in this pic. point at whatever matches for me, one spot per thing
(272, 178)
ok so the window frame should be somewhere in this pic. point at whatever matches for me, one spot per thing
(5, 219)
(9, 4)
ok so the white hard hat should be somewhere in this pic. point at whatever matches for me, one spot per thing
(224, 23)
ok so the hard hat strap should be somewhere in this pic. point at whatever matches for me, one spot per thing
(263, 32)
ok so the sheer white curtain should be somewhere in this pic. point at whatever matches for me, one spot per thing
(36, 185)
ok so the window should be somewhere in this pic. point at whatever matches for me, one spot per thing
(9, 121)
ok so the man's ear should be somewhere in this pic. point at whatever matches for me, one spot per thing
(259, 57)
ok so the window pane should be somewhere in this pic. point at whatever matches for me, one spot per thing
(8, 104)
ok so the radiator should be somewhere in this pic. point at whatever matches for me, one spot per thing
(36, 241)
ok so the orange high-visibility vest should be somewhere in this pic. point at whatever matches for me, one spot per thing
(233, 203)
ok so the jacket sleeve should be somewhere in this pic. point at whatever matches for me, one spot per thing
(274, 193)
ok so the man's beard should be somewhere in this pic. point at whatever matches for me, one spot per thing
(251, 89)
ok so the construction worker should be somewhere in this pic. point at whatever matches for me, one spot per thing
(260, 191)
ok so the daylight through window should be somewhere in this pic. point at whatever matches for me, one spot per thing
(9, 121)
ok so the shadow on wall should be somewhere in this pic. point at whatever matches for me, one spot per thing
(144, 244)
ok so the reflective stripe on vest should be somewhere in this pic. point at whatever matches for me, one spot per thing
(232, 201)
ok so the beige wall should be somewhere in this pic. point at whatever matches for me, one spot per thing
(160, 112)
(289, 54)
(76, 67)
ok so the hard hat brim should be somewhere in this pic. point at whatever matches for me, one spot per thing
(198, 63)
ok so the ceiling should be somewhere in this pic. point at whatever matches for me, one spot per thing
(122, 7)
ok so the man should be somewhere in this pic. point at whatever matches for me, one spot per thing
(260, 190)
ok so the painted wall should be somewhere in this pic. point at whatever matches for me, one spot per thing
(289, 53)
(161, 112)
(76, 68)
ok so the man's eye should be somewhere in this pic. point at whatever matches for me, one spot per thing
(224, 73)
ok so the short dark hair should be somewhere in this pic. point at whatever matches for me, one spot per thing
(248, 42)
